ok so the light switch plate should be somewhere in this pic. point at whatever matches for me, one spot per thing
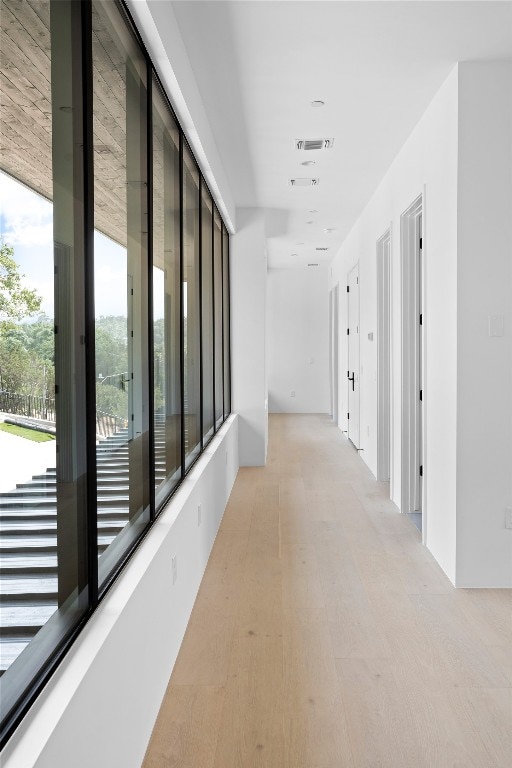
(496, 325)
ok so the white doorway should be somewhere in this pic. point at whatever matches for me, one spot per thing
(353, 356)
(333, 358)
(413, 470)
(384, 357)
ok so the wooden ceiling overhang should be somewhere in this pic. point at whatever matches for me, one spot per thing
(26, 118)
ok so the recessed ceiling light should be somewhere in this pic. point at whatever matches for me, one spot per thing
(309, 222)
(294, 254)
(330, 229)
(308, 162)
(314, 211)
(299, 243)
(317, 103)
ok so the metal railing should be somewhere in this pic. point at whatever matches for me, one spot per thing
(43, 408)
(117, 380)
(32, 406)
(107, 424)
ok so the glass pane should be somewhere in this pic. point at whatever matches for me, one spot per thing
(225, 306)
(191, 298)
(217, 280)
(121, 285)
(166, 297)
(207, 311)
(43, 480)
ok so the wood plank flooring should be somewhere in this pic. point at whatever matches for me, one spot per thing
(326, 636)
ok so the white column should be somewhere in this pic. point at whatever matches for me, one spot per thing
(248, 349)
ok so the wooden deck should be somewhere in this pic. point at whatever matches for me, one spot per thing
(326, 636)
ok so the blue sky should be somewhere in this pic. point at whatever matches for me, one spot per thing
(26, 224)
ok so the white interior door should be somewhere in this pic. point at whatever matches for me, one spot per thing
(353, 355)
(418, 494)
(412, 360)
(334, 354)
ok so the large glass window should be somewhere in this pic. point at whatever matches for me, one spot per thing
(191, 308)
(44, 499)
(226, 322)
(207, 310)
(166, 297)
(114, 320)
(217, 282)
(121, 284)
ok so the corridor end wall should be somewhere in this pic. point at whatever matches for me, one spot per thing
(298, 334)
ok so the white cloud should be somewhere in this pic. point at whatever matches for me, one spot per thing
(107, 274)
(27, 218)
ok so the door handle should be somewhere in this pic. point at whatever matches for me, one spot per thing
(352, 379)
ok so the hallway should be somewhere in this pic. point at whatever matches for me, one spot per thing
(325, 635)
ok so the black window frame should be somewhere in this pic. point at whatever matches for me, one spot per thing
(28, 696)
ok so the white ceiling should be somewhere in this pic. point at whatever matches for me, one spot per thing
(376, 65)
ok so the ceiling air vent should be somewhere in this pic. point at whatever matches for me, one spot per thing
(312, 265)
(314, 143)
(321, 249)
(304, 182)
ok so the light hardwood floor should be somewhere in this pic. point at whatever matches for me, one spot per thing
(326, 636)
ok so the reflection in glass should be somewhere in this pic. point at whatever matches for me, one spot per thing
(226, 321)
(121, 285)
(72, 508)
(191, 310)
(44, 574)
(166, 297)
(207, 310)
(217, 280)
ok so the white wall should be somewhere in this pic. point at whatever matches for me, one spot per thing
(427, 163)
(460, 157)
(248, 278)
(157, 24)
(101, 704)
(484, 391)
(298, 340)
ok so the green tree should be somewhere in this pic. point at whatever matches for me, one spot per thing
(41, 337)
(111, 346)
(21, 370)
(111, 400)
(26, 350)
(15, 300)
(37, 337)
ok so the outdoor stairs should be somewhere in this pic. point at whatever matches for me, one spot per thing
(28, 540)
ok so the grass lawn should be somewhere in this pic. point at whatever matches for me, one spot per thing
(29, 434)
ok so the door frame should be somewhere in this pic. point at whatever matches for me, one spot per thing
(356, 373)
(413, 390)
(384, 358)
(334, 351)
